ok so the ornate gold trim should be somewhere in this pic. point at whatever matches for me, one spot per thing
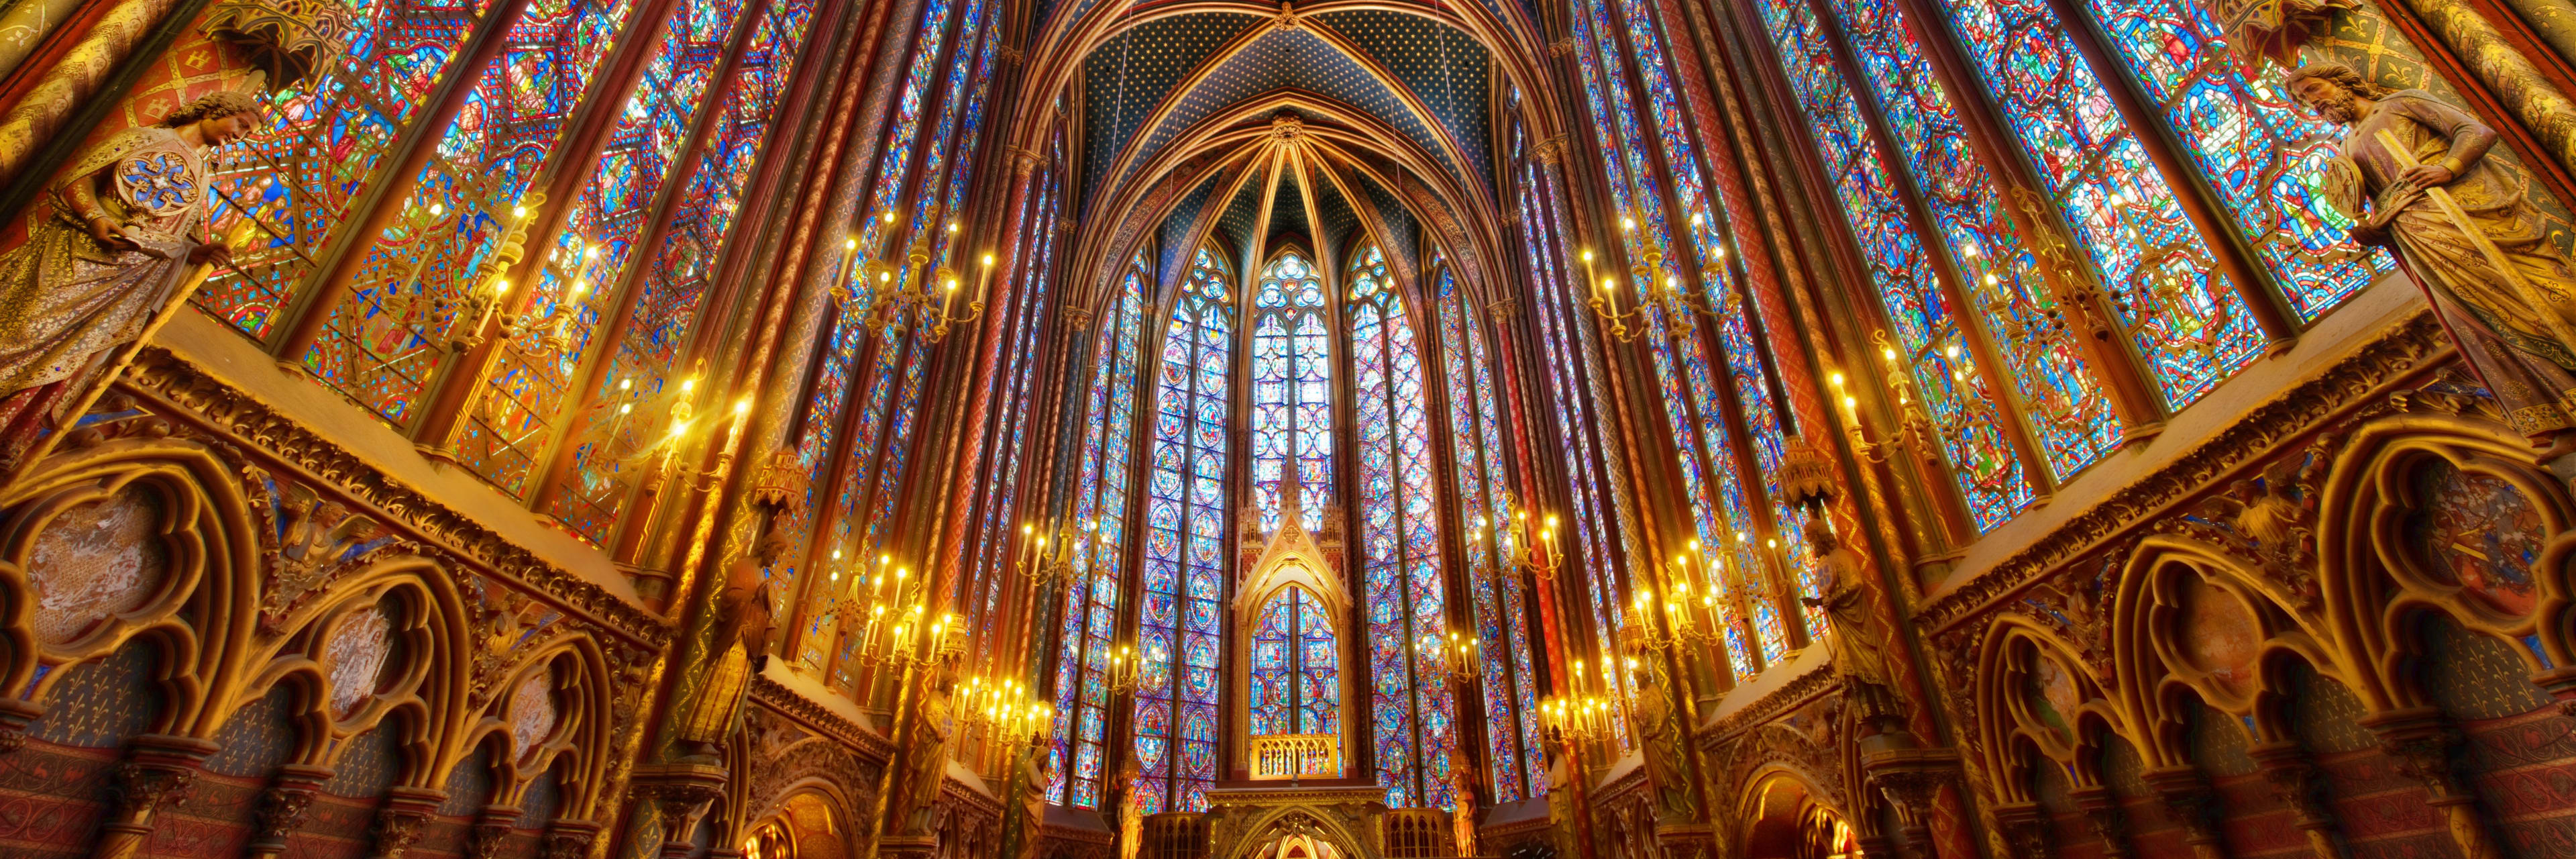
(185, 391)
(2403, 349)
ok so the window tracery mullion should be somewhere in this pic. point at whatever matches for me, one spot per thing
(1875, 243)
(1722, 494)
(2113, 206)
(1972, 323)
(555, 455)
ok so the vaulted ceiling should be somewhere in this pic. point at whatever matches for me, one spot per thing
(1246, 124)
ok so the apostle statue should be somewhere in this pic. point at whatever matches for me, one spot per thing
(2414, 172)
(1859, 644)
(109, 243)
(1666, 740)
(1131, 809)
(1462, 804)
(743, 622)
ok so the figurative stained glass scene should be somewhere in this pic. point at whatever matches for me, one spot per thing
(1190, 430)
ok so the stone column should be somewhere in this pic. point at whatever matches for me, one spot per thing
(159, 769)
(15, 716)
(568, 839)
(1914, 779)
(2190, 802)
(2102, 810)
(491, 831)
(2296, 781)
(398, 823)
(282, 807)
(2025, 830)
(2422, 741)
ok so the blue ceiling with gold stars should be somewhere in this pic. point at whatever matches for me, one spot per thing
(1335, 212)
(1365, 60)
(1392, 215)
(1176, 230)
(1136, 70)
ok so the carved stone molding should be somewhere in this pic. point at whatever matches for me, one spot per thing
(2396, 353)
(181, 389)
(1804, 688)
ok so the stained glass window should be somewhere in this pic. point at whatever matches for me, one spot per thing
(1927, 358)
(2254, 148)
(1296, 676)
(2069, 413)
(325, 142)
(1693, 393)
(1292, 389)
(386, 336)
(1598, 516)
(1411, 709)
(2190, 327)
(988, 551)
(1176, 721)
(1090, 615)
(674, 286)
(582, 276)
(1476, 425)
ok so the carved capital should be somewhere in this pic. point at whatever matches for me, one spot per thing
(2102, 812)
(2420, 740)
(567, 839)
(284, 805)
(2188, 800)
(1561, 48)
(2295, 780)
(491, 831)
(2025, 829)
(158, 771)
(287, 39)
(399, 822)
(15, 716)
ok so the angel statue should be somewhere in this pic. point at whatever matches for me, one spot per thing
(108, 244)
(2414, 172)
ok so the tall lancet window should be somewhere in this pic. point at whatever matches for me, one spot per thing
(1502, 626)
(1292, 388)
(1410, 709)
(1184, 574)
(1296, 683)
(1099, 510)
